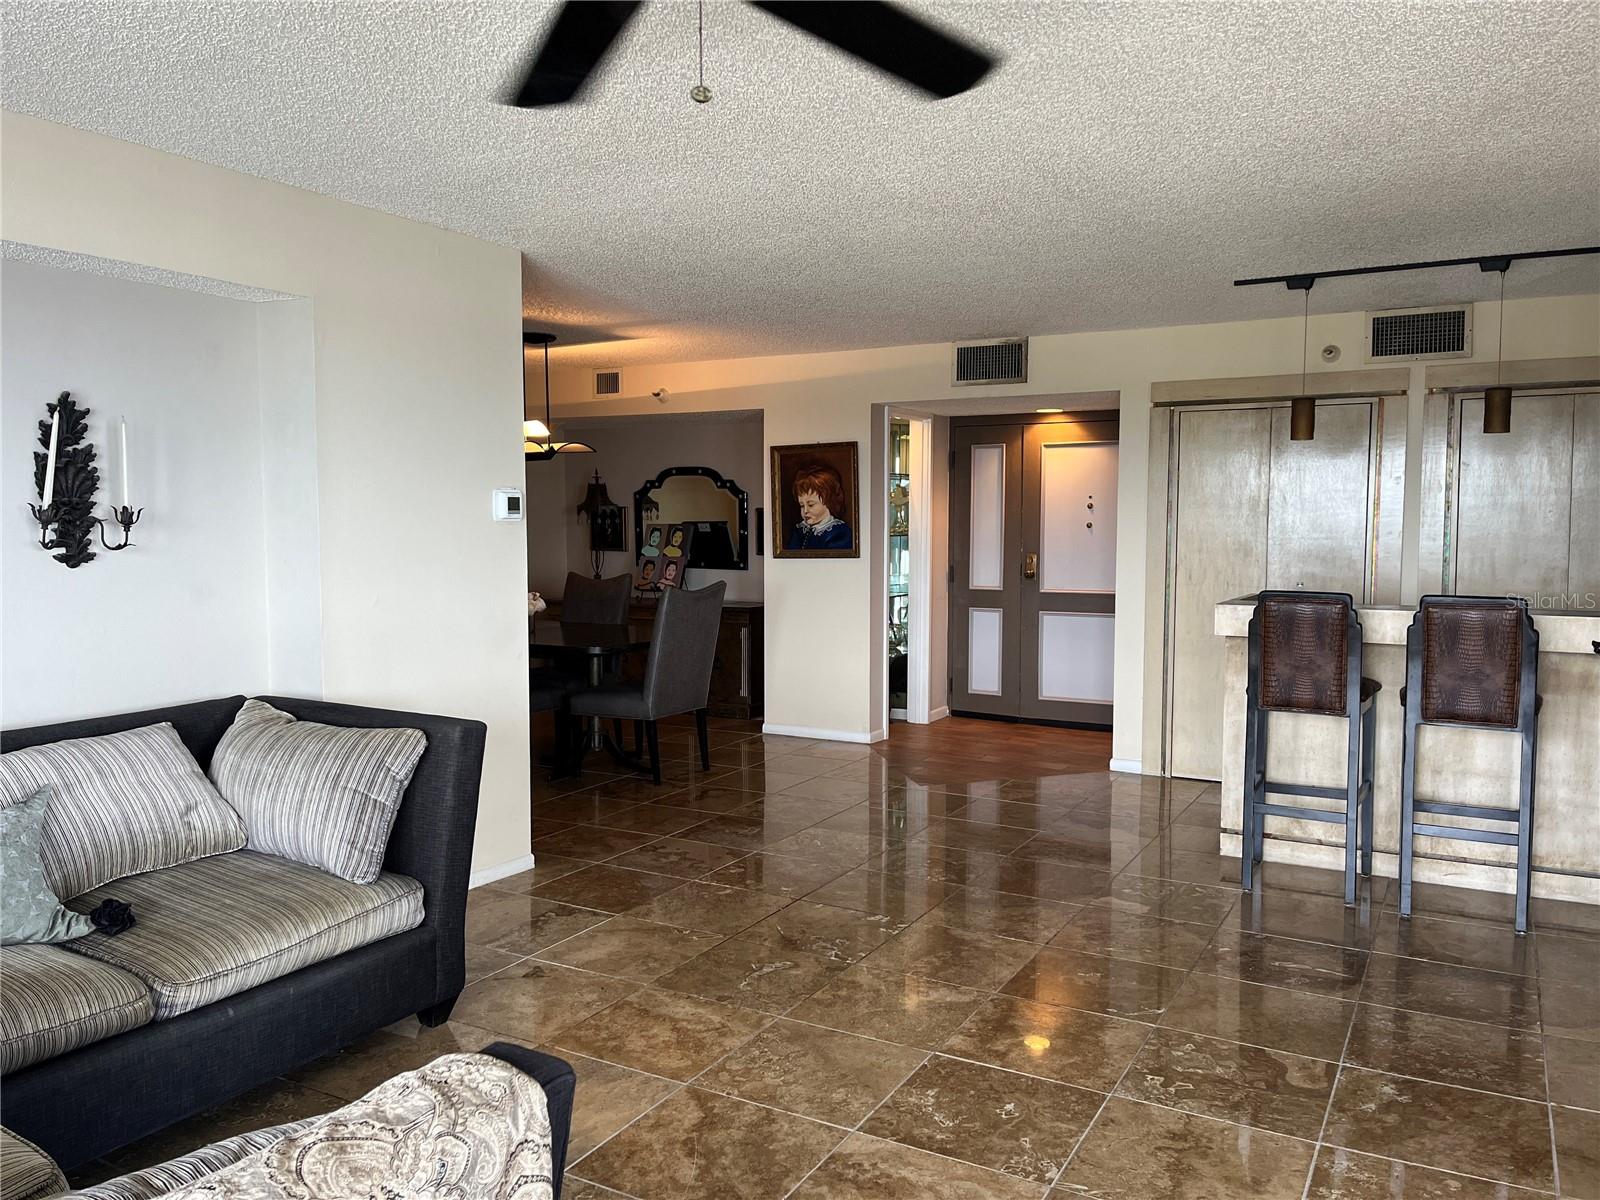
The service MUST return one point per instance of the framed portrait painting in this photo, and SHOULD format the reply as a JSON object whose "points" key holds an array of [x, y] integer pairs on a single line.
{"points": [[816, 501]]}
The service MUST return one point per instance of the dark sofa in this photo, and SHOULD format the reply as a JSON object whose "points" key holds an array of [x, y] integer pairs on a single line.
{"points": [[92, 1100]]}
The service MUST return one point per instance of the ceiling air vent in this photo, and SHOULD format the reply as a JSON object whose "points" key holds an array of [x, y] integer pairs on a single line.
{"points": [[998, 360], [608, 383], [1405, 334]]}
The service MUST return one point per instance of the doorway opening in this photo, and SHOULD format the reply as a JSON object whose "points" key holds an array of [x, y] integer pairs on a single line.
{"points": [[1033, 532]]}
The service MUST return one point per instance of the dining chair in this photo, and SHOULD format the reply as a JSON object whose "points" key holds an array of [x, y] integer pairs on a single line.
{"points": [[588, 601], [547, 692], [585, 601], [677, 675]]}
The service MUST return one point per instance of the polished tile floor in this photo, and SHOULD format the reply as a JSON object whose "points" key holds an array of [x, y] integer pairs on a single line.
{"points": [[971, 964]]}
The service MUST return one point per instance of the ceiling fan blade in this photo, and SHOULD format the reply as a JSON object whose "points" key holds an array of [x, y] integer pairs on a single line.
{"points": [[889, 38], [573, 49]]}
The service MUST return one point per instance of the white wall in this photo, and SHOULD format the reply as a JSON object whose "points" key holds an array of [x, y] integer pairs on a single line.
{"points": [[632, 450], [825, 682], [182, 615], [416, 362]]}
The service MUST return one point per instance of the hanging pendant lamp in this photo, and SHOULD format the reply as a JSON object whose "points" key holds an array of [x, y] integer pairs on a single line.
{"points": [[1497, 399], [539, 442], [1303, 408]]}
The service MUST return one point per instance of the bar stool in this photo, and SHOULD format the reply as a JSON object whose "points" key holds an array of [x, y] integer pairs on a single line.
{"points": [[1305, 657], [1471, 661]]}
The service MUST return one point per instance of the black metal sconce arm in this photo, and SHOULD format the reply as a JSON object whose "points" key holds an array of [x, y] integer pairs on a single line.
{"points": [[125, 517]]}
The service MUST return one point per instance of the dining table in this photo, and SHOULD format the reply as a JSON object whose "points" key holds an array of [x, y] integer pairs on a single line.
{"points": [[593, 646]]}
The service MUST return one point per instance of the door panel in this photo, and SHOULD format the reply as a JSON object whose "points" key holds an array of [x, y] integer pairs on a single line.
{"points": [[1075, 657], [1318, 506], [1221, 552], [1078, 517], [1070, 521], [986, 654], [985, 561], [986, 525]]}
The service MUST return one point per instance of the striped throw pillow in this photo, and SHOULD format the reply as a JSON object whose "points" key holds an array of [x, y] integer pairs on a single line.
{"points": [[323, 795], [125, 803]]}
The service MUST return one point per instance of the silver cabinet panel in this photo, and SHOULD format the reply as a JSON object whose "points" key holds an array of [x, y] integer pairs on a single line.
{"points": [[1513, 511], [1318, 523], [1220, 551], [1252, 510]]}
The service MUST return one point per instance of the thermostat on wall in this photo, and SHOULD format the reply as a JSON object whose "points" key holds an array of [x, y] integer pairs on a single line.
{"points": [[508, 504]]}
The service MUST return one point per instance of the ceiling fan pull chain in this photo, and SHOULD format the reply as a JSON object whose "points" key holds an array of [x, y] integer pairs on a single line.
{"points": [[700, 93]]}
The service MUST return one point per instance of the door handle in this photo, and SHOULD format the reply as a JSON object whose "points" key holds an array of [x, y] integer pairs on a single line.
{"points": [[1030, 566]]}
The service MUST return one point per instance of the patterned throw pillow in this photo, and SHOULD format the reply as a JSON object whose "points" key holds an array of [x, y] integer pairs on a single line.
{"points": [[29, 910], [323, 795], [125, 803]]}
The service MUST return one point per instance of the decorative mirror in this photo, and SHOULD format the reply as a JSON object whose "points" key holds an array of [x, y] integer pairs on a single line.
{"points": [[718, 508]]}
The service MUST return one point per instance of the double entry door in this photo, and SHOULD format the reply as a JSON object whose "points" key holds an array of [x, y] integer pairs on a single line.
{"points": [[1033, 563]]}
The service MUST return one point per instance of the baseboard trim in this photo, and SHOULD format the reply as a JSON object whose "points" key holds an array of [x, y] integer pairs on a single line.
{"points": [[504, 871], [939, 714], [1132, 765], [822, 735]]}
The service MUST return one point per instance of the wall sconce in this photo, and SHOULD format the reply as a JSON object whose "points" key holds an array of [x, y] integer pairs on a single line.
{"points": [[67, 479]]}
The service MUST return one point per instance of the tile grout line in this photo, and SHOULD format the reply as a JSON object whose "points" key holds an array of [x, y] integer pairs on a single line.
{"points": [[1077, 1146], [1544, 1053], [1338, 1074]]}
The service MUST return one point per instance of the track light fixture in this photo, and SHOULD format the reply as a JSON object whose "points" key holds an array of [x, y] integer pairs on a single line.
{"points": [[1303, 408], [1497, 399]]}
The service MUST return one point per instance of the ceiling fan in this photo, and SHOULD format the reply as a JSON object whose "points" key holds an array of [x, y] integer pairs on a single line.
{"points": [[881, 35]]}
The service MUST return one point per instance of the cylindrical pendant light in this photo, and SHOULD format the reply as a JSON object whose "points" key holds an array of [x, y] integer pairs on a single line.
{"points": [[1302, 419], [1497, 399], [1302, 408], [1497, 409]]}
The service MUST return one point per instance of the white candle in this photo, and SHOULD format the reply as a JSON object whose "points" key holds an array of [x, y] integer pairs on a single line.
{"points": [[124, 462], [48, 495]]}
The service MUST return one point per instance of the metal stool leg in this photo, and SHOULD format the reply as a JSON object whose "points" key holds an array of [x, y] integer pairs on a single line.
{"points": [[1247, 812], [1369, 726], [1260, 823], [1408, 799], [1525, 827], [1352, 803]]}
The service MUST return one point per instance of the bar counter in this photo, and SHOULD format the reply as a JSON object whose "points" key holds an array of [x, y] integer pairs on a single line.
{"points": [[1465, 766]]}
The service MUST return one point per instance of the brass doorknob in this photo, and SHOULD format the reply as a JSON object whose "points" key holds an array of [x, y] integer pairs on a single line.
{"points": [[1030, 566]]}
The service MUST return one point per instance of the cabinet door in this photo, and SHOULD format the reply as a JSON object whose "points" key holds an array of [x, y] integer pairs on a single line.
{"points": [[1513, 527], [1220, 547]]}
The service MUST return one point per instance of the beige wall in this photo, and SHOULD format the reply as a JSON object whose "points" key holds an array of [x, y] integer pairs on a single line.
{"points": [[820, 623], [418, 399]]}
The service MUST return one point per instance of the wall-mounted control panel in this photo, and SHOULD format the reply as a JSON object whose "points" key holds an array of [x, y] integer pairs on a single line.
{"points": [[508, 504]]}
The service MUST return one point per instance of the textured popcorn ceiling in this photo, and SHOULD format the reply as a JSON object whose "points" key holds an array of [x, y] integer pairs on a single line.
{"points": [[1121, 167], [66, 260]]}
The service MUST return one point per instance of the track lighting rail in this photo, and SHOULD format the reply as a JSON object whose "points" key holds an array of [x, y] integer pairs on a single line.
{"points": [[1487, 262]]}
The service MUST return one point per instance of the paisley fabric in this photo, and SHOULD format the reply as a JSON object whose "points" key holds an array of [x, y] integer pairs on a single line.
{"points": [[154, 1183], [464, 1127]]}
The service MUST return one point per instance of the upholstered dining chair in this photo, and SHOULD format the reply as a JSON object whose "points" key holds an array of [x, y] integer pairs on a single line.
{"points": [[677, 676], [585, 601], [588, 601]]}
